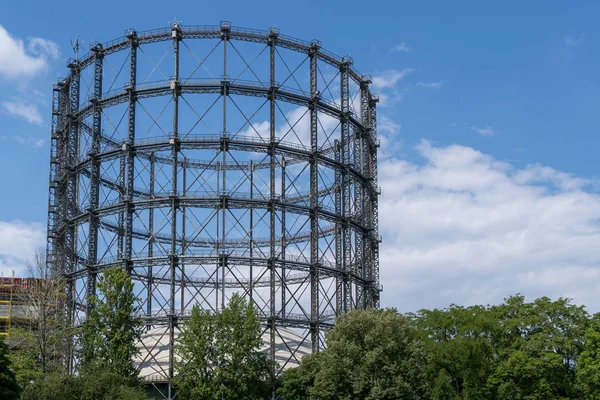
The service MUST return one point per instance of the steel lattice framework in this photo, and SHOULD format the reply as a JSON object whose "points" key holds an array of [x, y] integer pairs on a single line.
{"points": [[242, 162]]}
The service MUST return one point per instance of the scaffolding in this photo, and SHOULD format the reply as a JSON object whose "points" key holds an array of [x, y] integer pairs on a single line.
{"points": [[15, 309]]}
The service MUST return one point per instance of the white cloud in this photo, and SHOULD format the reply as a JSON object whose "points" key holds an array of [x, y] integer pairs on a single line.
{"points": [[23, 109], [18, 242], [17, 60], [485, 131], [43, 47], [29, 142], [574, 40], [536, 174], [387, 83], [401, 47], [430, 85], [389, 78], [465, 228], [387, 132], [295, 128], [387, 126]]}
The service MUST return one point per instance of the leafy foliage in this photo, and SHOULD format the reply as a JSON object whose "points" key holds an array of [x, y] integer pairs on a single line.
{"points": [[543, 350], [104, 384], [458, 341], [373, 354], [588, 365], [52, 386], [109, 334], [515, 350], [294, 383], [107, 341], [9, 388], [220, 354], [44, 338], [539, 346], [95, 384]]}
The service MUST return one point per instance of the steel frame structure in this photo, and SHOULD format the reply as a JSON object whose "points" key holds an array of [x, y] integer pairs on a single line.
{"points": [[184, 229]]}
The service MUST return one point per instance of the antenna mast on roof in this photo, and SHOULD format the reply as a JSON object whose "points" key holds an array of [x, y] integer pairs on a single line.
{"points": [[75, 44], [175, 23]]}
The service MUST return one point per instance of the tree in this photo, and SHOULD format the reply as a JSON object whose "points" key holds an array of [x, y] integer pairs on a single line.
{"points": [[96, 383], [512, 351], [442, 388], [459, 341], [43, 339], [99, 383], [371, 354], [294, 383], [219, 354], [52, 386], [9, 388], [109, 334], [540, 345], [588, 366], [542, 350]]}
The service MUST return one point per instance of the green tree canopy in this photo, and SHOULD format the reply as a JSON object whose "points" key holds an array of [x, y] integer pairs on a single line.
{"points": [[219, 354], [44, 339], [459, 342], [373, 354], [515, 350], [588, 365], [540, 350], [9, 388], [109, 334], [96, 383]]}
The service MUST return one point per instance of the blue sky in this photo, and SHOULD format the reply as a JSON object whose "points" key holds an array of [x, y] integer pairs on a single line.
{"points": [[489, 116]]}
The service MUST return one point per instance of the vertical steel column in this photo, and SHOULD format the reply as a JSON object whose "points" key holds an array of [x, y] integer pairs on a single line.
{"points": [[59, 146], [72, 154], [56, 139], [339, 262], [365, 247], [251, 234], [56, 197], [225, 31], [94, 174], [176, 34], [129, 150], [121, 231], [346, 230], [52, 181], [61, 209], [121, 187], [150, 286], [357, 269], [218, 232], [314, 201], [183, 238], [374, 201], [283, 241], [71, 184], [272, 197]]}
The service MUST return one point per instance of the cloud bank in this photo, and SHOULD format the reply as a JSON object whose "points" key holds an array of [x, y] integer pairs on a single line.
{"points": [[18, 242], [465, 228], [18, 60], [23, 109]]}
